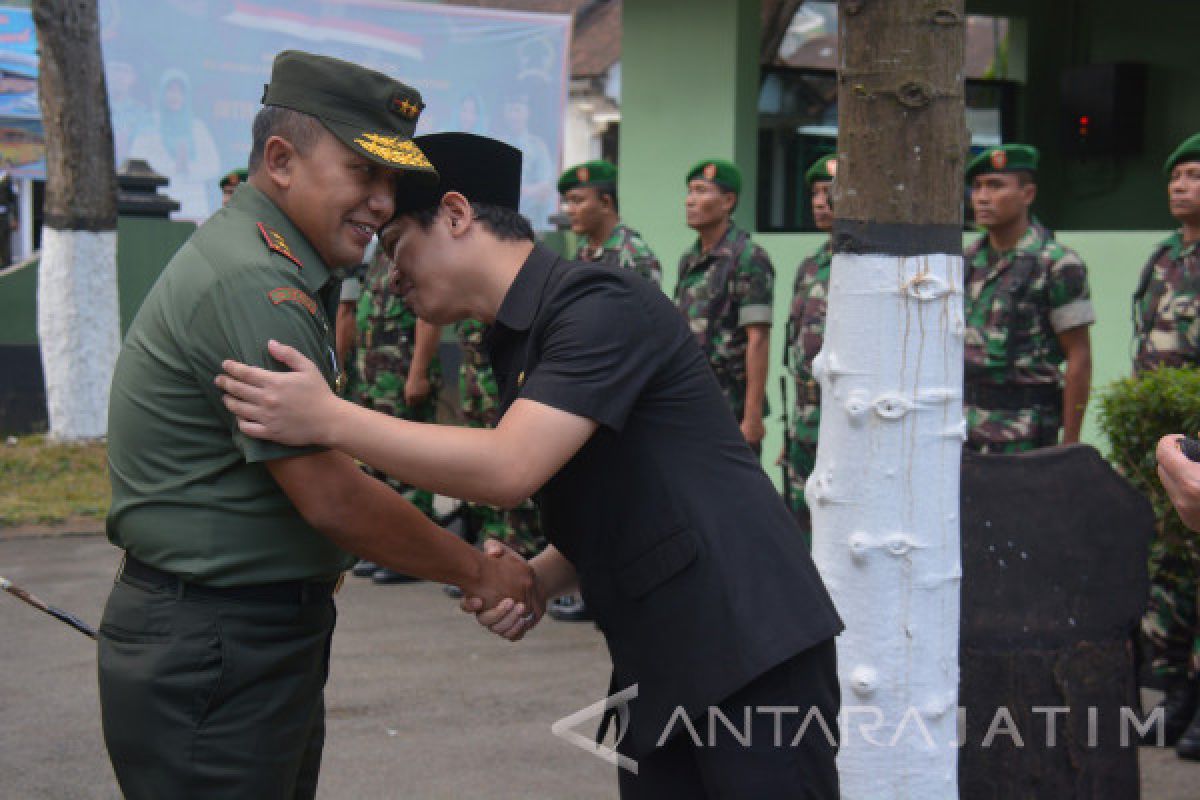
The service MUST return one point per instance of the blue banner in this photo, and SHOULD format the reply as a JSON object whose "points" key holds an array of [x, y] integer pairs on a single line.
{"points": [[185, 78], [22, 143]]}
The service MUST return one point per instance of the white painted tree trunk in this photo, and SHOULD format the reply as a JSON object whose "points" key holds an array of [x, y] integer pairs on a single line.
{"points": [[884, 499], [78, 329]]}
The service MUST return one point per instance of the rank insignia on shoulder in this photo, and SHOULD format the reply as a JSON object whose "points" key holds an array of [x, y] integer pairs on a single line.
{"points": [[276, 243], [290, 294]]}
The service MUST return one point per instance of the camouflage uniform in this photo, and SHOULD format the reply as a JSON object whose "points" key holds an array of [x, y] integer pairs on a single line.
{"points": [[805, 334], [720, 292], [624, 248], [1016, 305], [381, 360], [518, 528], [1166, 320]]}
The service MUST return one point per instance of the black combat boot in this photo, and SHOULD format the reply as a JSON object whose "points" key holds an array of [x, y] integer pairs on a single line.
{"points": [[1188, 745], [1179, 708]]}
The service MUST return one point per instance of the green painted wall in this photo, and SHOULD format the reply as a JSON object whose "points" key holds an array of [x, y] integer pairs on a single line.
{"points": [[689, 91], [144, 246]]}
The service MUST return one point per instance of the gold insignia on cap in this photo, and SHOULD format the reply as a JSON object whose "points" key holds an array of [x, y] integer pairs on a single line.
{"points": [[831, 167], [393, 149], [710, 172], [582, 175], [406, 107], [999, 159]]}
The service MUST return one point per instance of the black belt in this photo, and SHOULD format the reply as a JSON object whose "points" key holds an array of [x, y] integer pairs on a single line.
{"points": [[1011, 397], [139, 573]]}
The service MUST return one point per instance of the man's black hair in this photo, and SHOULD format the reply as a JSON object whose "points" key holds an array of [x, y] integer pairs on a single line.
{"points": [[301, 129], [505, 224]]}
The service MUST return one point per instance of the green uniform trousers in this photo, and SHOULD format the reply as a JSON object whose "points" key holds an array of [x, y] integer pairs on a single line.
{"points": [[204, 698]]}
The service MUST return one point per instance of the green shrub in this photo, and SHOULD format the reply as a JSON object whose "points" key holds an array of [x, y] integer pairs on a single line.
{"points": [[1134, 414]]}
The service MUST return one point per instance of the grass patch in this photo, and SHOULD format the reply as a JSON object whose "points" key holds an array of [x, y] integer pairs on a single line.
{"points": [[44, 482]]}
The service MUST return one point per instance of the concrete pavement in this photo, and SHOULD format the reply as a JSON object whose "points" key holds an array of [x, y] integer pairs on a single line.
{"points": [[421, 703]]}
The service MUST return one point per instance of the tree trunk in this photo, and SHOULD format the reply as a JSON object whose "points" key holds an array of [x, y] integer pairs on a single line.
{"points": [[885, 489], [78, 313]]}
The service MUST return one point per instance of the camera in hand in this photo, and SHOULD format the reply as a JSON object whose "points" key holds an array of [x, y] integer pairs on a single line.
{"points": [[1190, 448]]}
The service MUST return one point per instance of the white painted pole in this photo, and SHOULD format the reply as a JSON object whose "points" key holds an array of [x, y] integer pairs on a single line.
{"points": [[78, 329], [884, 499]]}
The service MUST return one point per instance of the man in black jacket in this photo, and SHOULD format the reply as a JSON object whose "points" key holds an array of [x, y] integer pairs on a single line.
{"points": [[654, 504]]}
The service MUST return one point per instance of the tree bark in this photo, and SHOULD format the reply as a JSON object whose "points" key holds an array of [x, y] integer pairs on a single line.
{"points": [[78, 312], [885, 489]]}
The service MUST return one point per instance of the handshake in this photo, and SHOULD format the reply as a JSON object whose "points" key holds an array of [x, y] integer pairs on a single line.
{"points": [[510, 597]]}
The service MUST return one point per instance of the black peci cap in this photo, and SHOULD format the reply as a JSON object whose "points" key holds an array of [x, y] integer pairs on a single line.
{"points": [[481, 169]]}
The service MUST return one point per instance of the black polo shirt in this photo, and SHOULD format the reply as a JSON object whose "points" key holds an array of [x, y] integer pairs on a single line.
{"points": [[687, 556]]}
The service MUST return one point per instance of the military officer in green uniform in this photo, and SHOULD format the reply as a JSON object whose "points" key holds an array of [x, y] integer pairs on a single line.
{"points": [[725, 290], [805, 334], [229, 183], [1166, 321], [394, 370], [589, 193], [213, 648], [1028, 309]]}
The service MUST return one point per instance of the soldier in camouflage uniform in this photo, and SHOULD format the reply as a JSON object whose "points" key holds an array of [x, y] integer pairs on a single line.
{"points": [[1166, 320], [518, 528], [805, 334], [725, 289], [394, 369], [1028, 309], [589, 193]]}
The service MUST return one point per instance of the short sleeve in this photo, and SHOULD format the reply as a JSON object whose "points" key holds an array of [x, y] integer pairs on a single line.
{"points": [[351, 290], [599, 350], [754, 288], [236, 318], [1068, 293]]}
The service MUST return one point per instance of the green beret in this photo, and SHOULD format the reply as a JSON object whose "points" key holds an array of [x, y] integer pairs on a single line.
{"points": [[823, 169], [600, 174], [1188, 151], [1005, 158], [235, 178], [366, 110], [723, 173]]}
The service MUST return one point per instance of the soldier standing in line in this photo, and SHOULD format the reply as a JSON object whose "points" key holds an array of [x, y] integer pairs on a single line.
{"points": [[1166, 321], [229, 183], [1028, 308], [589, 192], [395, 370], [725, 290], [519, 527], [805, 334]]}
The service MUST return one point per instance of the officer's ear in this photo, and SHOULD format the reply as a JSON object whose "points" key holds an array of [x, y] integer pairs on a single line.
{"points": [[278, 162], [457, 211]]}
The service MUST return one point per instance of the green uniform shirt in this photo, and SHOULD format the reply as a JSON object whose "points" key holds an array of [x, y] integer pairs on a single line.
{"points": [[192, 494], [624, 249]]}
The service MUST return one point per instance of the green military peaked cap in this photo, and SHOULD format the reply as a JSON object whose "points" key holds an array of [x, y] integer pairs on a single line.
{"points": [[723, 173], [1004, 158], [601, 174], [366, 110], [1188, 151], [823, 169], [234, 178]]}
